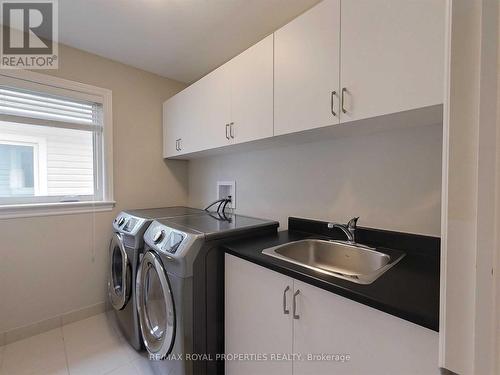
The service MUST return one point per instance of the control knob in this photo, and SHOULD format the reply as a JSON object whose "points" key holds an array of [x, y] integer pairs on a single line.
{"points": [[158, 237], [121, 220]]}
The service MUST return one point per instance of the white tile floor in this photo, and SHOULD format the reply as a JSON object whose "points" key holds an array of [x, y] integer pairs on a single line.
{"points": [[89, 347]]}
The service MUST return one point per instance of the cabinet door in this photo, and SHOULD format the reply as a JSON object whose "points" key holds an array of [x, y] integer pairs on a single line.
{"points": [[254, 317], [376, 342], [252, 92], [392, 56], [176, 120], [210, 103], [306, 70]]}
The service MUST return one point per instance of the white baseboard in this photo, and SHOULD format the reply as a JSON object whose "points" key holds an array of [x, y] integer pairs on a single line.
{"points": [[21, 333]]}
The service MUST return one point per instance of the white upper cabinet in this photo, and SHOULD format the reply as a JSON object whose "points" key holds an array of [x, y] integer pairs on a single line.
{"points": [[392, 56], [306, 70], [174, 119], [341, 61], [178, 122], [195, 118], [210, 102], [232, 104], [252, 93]]}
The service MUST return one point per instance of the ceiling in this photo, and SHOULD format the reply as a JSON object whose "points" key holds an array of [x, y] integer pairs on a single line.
{"points": [[178, 39]]}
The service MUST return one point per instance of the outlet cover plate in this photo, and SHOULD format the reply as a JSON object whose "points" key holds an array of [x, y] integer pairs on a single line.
{"points": [[225, 188]]}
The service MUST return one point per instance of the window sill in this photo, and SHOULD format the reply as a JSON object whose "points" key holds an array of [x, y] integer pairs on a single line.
{"points": [[48, 209]]}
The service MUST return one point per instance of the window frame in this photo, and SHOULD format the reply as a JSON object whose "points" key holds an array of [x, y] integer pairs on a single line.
{"points": [[103, 145]]}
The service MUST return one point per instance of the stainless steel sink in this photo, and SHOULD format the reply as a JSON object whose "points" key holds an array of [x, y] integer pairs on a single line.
{"points": [[345, 260]]}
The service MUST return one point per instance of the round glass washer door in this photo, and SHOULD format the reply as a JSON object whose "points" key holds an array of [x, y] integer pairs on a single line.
{"points": [[155, 306], [119, 278]]}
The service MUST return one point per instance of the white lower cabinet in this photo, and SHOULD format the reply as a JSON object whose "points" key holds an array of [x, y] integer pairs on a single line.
{"points": [[254, 319], [377, 343], [325, 324]]}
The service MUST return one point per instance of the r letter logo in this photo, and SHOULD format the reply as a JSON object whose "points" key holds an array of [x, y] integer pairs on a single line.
{"points": [[29, 34]]}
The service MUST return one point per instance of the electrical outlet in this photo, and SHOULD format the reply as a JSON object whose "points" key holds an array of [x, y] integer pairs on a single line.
{"points": [[225, 189]]}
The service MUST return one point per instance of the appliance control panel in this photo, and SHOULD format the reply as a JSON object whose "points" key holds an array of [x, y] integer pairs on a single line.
{"points": [[130, 224], [173, 242], [127, 223], [163, 238]]}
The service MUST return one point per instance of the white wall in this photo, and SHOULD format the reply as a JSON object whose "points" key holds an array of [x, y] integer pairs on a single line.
{"points": [[391, 179], [56, 264], [498, 206], [467, 311]]}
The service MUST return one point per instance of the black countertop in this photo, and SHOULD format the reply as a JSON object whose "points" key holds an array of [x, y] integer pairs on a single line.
{"points": [[408, 290]]}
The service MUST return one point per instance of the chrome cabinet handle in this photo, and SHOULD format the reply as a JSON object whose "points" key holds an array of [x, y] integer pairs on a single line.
{"points": [[227, 136], [332, 107], [180, 144], [177, 145], [231, 132], [295, 315], [285, 310], [344, 90]]}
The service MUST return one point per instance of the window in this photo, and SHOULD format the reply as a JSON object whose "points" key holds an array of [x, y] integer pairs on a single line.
{"points": [[17, 174], [54, 142]]}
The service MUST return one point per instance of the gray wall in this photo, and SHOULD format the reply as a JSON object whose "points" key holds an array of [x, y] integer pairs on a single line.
{"points": [[391, 179]]}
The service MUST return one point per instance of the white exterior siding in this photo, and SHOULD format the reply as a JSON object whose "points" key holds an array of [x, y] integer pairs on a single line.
{"points": [[4, 173], [70, 164], [65, 157]]}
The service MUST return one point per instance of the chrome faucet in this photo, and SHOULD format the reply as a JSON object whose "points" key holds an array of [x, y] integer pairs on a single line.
{"points": [[349, 229]]}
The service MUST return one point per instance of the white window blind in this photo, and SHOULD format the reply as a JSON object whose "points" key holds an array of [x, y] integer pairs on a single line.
{"points": [[28, 105], [51, 145]]}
